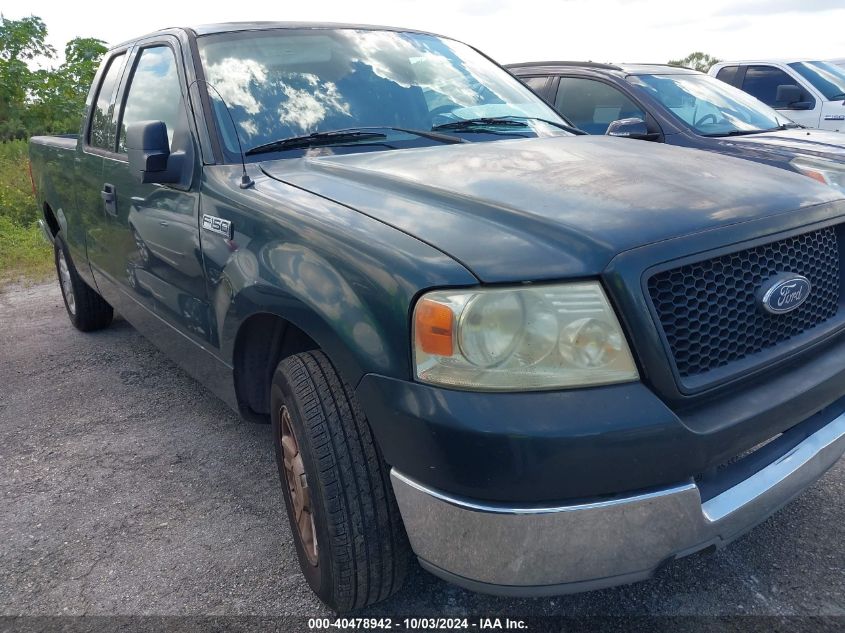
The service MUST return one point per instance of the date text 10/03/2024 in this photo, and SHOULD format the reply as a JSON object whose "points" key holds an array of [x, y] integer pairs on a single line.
{"points": [[413, 624]]}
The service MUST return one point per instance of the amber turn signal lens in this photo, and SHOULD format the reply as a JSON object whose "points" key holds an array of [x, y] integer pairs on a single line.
{"points": [[434, 327]]}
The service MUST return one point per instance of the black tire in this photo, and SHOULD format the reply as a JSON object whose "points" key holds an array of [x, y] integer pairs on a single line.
{"points": [[362, 551], [87, 310]]}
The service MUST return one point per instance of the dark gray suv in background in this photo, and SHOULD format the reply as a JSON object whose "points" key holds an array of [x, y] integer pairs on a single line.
{"points": [[684, 107]]}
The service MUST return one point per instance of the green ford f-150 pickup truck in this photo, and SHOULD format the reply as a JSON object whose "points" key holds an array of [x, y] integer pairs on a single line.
{"points": [[539, 361]]}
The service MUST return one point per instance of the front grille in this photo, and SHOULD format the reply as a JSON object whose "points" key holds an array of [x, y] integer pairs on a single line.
{"points": [[709, 311]]}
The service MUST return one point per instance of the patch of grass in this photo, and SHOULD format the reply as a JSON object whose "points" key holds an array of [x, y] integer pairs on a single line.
{"points": [[24, 255]]}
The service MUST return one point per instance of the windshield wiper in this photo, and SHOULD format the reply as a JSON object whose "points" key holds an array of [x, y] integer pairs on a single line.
{"points": [[336, 137], [563, 126], [742, 132], [443, 138], [510, 120], [481, 122], [315, 139]]}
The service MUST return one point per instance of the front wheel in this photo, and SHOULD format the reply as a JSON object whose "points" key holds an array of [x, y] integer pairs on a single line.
{"points": [[86, 309], [349, 537]]}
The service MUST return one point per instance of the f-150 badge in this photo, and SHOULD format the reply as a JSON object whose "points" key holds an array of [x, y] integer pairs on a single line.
{"points": [[217, 225]]}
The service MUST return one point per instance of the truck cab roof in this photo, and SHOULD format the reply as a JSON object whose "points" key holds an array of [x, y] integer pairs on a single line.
{"points": [[232, 27]]}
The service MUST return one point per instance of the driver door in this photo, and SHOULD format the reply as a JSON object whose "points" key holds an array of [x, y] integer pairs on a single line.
{"points": [[156, 263]]}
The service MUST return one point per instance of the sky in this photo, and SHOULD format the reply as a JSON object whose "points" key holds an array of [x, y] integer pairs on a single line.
{"points": [[507, 30]]}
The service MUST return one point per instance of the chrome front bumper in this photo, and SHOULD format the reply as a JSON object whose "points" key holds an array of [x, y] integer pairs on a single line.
{"points": [[554, 550]]}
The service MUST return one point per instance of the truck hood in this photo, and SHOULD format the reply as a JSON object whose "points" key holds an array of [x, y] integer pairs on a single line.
{"points": [[550, 208], [790, 143]]}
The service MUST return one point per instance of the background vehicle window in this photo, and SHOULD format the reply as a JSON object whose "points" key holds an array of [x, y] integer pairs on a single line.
{"points": [[709, 106], [826, 77], [592, 105], [154, 93], [728, 74], [101, 133], [763, 81], [537, 84]]}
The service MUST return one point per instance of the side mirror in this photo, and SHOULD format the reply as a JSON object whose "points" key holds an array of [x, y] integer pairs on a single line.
{"points": [[793, 97], [631, 128], [148, 148]]}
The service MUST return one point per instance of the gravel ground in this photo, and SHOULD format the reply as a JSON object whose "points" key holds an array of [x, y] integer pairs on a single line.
{"points": [[127, 488]]}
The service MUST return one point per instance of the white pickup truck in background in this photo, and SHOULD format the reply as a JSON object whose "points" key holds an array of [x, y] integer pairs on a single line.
{"points": [[811, 93]]}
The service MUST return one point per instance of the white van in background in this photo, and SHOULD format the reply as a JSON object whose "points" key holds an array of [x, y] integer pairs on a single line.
{"points": [[811, 93]]}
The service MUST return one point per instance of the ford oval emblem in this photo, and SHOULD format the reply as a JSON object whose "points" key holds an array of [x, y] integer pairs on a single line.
{"points": [[784, 293]]}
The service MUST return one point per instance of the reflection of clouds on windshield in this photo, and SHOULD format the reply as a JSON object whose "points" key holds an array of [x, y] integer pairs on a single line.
{"points": [[232, 78], [435, 72], [289, 82], [410, 63], [235, 79], [305, 108]]}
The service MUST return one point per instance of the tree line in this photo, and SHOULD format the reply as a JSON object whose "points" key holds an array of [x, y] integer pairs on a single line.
{"points": [[697, 61], [42, 100]]}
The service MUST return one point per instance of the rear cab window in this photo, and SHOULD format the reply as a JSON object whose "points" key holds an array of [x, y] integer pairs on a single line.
{"points": [[101, 131], [728, 74], [538, 84]]}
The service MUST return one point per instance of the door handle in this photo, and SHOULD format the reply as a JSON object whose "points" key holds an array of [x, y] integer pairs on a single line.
{"points": [[109, 196]]}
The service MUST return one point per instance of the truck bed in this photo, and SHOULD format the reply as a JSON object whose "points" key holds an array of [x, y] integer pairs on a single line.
{"points": [[63, 141]]}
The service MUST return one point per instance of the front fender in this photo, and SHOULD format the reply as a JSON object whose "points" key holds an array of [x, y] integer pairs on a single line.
{"points": [[349, 348], [345, 279]]}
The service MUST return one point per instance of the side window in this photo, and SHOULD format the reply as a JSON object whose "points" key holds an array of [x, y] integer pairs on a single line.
{"points": [[537, 84], [101, 131], [592, 105], [154, 93], [728, 74], [763, 81]]}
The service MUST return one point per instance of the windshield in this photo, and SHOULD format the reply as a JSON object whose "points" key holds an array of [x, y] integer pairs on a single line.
{"points": [[827, 78], [286, 83], [710, 106]]}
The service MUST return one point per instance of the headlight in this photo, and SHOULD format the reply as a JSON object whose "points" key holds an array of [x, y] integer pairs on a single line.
{"points": [[827, 172], [520, 339]]}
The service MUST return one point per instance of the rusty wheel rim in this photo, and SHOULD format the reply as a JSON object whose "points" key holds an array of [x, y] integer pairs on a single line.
{"points": [[297, 483]]}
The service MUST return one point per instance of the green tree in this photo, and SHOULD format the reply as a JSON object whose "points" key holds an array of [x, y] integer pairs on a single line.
{"points": [[58, 96], [42, 101], [21, 41], [24, 39], [697, 61]]}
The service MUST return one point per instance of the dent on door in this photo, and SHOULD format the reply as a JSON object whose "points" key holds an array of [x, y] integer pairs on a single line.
{"points": [[165, 265]]}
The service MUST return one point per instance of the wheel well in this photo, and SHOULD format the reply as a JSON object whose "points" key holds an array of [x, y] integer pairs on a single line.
{"points": [[50, 219], [263, 341]]}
